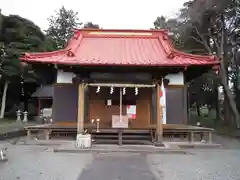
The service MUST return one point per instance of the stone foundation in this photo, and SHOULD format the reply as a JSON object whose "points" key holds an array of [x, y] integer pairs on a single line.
{"points": [[83, 141]]}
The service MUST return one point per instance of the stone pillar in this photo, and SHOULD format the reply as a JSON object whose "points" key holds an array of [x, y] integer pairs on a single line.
{"points": [[18, 113], [25, 117], [3, 155]]}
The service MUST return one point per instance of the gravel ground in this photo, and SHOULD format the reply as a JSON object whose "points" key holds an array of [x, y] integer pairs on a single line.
{"points": [[13, 126], [41, 163], [227, 142], [201, 165]]}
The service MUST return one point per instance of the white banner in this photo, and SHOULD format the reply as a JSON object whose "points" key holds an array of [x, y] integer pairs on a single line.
{"points": [[131, 111], [163, 103]]}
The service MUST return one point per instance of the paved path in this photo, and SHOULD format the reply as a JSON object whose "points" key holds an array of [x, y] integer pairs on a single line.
{"points": [[118, 166]]}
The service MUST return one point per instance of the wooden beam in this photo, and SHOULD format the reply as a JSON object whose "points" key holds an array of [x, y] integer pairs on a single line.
{"points": [[80, 124], [159, 134], [121, 85]]}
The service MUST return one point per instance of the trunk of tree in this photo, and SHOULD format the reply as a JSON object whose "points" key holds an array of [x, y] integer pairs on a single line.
{"points": [[237, 99], [198, 110], [4, 96], [217, 107], [228, 115], [209, 109], [229, 98]]}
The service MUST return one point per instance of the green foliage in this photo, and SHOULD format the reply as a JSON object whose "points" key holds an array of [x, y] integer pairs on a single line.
{"points": [[17, 36], [173, 25], [210, 27], [161, 23], [91, 25], [61, 26]]}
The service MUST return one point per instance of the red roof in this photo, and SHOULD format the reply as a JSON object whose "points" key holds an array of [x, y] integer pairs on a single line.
{"points": [[90, 47]]}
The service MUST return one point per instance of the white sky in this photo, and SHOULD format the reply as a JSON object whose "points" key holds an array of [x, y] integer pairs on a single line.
{"points": [[114, 14]]}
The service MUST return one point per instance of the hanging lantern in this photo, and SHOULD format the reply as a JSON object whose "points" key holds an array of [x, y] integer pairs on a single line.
{"points": [[136, 91], [124, 91], [98, 89], [111, 90]]}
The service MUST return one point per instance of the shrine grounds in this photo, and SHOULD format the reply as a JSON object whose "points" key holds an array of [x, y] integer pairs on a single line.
{"points": [[41, 163]]}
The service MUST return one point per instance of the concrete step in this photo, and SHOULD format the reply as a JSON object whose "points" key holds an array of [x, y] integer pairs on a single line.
{"points": [[124, 141], [126, 131], [124, 136]]}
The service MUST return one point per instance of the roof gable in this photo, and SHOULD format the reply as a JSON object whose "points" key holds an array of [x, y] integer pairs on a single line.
{"points": [[45, 91]]}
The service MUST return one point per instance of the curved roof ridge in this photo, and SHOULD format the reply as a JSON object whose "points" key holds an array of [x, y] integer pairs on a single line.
{"points": [[45, 54], [194, 56], [172, 51], [121, 30]]}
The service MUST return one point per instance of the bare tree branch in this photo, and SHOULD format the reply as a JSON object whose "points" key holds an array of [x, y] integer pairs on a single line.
{"points": [[216, 43], [192, 37], [204, 41], [231, 23]]}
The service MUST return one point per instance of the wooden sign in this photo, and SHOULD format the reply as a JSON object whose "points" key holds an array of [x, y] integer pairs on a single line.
{"points": [[109, 102], [47, 112], [117, 123]]}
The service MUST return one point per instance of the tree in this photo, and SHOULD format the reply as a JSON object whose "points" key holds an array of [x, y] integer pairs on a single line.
{"points": [[61, 26], [217, 18], [211, 27], [161, 23], [211, 24], [91, 25], [173, 25], [17, 36]]}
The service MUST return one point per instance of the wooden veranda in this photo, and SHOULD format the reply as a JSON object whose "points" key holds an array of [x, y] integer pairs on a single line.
{"points": [[169, 130]]}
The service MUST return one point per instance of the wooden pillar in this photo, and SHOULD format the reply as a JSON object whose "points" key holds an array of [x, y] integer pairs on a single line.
{"points": [[159, 133], [154, 108], [80, 123]]}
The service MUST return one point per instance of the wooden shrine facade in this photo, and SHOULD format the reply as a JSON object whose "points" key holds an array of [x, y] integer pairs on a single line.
{"points": [[66, 95], [120, 59]]}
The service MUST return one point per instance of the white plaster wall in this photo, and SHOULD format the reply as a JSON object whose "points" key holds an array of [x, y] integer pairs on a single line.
{"points": [[175, 79], [64, 77]]}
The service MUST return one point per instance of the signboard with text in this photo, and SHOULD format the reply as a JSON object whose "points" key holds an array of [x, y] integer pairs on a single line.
{"points": [[119, 123]]}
